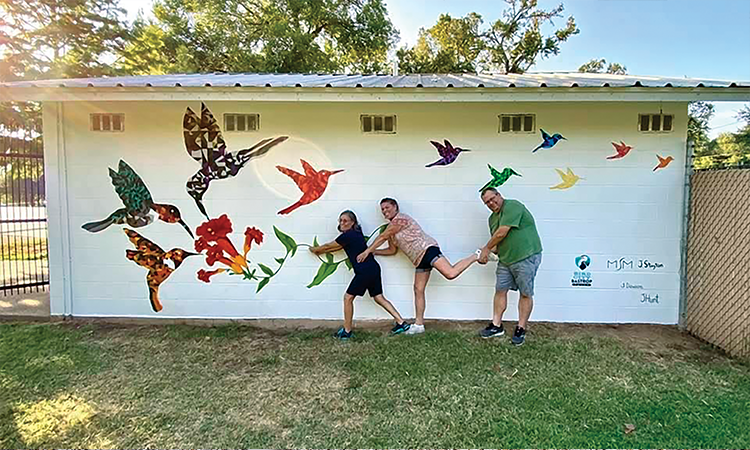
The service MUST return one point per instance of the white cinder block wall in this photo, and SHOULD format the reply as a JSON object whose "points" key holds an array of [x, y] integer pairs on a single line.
{"points": [[621, 209]]}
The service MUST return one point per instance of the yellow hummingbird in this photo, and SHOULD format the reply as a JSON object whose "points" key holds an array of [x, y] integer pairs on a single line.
{"points": [[568, 179]]}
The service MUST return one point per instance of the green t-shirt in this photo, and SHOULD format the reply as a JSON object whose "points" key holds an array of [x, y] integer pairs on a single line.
{"points": [[522, 240]]}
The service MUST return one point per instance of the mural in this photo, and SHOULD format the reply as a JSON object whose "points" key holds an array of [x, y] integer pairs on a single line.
{"points": [[548, 141], [569, 179], [312, 184], [205, 144], [214, 241], [152, 257], [137, 202], [448, 153], [499, 178], [663, 162], [622, 150]]}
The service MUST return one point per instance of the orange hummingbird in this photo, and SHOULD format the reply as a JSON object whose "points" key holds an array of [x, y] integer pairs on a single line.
{"points": [[663, 162], [152, 257], [312, 184], [622, 150]]}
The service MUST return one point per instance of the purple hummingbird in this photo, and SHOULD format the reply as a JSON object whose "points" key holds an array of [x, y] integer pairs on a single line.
{"points": [[448, 153]]}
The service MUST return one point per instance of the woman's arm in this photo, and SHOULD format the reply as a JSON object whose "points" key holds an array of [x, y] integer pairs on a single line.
{"points": [[330, 247], [388, 251], [384, 236]]}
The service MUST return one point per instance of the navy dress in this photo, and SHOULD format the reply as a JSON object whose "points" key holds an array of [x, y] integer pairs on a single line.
{"points": [[367, 273]]}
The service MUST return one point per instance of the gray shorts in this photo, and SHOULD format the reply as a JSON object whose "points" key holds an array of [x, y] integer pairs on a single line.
{"points": [[518, 276]]}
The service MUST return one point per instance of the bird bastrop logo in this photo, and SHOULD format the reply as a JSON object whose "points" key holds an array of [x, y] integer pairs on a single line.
{"points": [[581, 277]]}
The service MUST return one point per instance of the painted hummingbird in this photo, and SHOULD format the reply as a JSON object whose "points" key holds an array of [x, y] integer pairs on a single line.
{"points": [[205, 144], [663, 162], [499, 178], [622, 150], [152, 257], [548, 141], [569, 179], [137, 203], [312, 184], [448, 153]]}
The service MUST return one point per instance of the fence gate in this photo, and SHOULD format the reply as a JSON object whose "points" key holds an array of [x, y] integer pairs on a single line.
{"points": [[23, 211]]}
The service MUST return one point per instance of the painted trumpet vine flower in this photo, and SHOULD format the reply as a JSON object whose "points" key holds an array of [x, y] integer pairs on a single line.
{"points": [[213, 241]]}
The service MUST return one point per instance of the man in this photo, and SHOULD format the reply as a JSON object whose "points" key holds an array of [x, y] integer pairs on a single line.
{"points": [[519, 252]]}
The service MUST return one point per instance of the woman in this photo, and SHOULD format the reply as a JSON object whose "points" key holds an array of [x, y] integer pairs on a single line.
{"points": [[405, 233], [366, 274]]}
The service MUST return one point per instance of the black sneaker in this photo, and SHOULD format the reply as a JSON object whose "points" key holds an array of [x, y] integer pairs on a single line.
{"points": [[519, 336], [400, 328], [343, 335], [492, 330]]}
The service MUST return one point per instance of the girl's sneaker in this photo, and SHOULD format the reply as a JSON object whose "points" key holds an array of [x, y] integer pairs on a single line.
{"points": [[343, 335], [400, 328]]}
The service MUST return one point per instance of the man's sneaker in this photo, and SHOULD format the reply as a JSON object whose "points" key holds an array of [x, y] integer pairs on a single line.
{"points": [[492, 330], [415, 329], [491, 256], [343, 335], [400, 328], [519, 336]]}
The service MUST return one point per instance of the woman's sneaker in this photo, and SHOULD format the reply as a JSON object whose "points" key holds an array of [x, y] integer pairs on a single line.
{"points": [[343, 335], [415, 329], [519, 336], [492, 330], [400, 328]]}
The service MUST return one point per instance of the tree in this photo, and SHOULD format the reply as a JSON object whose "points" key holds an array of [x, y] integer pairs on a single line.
{"points": [[699, 115], [261, 35], [451, 45], [728, 149], [598, 65], [58, 38], [511, 44]]}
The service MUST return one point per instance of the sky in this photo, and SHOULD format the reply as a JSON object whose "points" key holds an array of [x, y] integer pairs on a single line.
{"points": [[676, 38]]}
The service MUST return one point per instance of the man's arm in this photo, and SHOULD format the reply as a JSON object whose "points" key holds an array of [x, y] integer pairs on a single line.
{"points": [[495, 239]]}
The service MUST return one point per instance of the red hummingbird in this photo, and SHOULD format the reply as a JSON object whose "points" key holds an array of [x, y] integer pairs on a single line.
{"points": [[622, 150], [312, 184]]}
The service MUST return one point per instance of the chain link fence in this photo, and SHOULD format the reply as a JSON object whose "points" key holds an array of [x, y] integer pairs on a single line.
{"points": [[718, 259]]}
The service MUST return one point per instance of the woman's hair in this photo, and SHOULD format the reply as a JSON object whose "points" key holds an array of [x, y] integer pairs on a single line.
{"points": [[353, 217], [392, 201]]}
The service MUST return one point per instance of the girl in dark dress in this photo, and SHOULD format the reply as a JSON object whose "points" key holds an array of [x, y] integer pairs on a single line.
{"points": [[366, 274]]}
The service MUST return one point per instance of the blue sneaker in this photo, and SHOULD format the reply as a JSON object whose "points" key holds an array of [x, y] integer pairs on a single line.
{"points": [[343, 335], [400, 328], [519, 336]]}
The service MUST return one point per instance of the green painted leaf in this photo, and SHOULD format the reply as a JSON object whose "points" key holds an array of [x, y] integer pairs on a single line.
{"points": [[329, 257], [262, 284], [325, 271], [267, 270], [380, 230], [289, 243], [279, 260], [348, 264], [315, 241]]}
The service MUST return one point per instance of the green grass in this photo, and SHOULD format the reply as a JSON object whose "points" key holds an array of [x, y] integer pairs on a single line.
{"points": [[65, 385], [16, 248]]}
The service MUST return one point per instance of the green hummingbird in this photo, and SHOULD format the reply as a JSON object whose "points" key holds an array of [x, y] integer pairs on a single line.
{"points": [[137, 202], [499, 178]]}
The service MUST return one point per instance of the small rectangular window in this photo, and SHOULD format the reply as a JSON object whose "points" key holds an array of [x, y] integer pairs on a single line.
{"points": [[107, 122], [655, 122], [516, 123], [372, 124], [241, 122]]}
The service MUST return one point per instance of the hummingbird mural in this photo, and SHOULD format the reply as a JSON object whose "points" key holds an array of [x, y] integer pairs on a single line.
{"points": [[448, 153], [152, 257], [663, 162], [569, 179], [312, 184], [548, 141], [499, 178], [621, 149], [137, 203], [205, 144]]}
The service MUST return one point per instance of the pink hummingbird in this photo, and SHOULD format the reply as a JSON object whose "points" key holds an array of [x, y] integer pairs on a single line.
{"points": [[622, 150]]}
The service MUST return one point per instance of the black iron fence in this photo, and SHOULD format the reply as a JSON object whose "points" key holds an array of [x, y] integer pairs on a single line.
{"points": [[23, 212]]}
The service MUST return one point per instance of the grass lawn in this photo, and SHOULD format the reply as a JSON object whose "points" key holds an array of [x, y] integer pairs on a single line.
{"points": [[97, 385]]}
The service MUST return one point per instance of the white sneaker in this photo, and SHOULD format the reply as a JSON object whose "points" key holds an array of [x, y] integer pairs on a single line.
{"points": [[491, 257], [415, 329]]}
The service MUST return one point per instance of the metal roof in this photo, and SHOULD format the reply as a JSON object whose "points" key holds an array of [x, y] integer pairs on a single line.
{"points": [[465, 80]]}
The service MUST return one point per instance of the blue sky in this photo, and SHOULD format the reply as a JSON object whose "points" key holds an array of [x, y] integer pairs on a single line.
{"points": [[697, 39]]}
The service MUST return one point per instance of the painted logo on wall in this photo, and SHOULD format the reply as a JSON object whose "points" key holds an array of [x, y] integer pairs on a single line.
{"points": [[582, 278], [623, 263]]}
